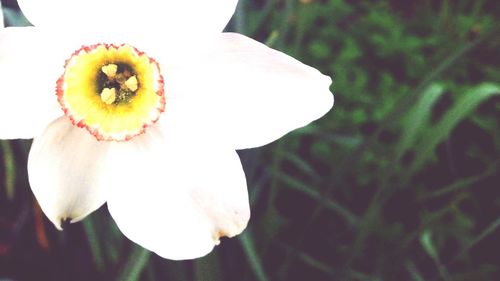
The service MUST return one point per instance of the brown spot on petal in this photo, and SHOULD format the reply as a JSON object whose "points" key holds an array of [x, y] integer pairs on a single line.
{"points": [[221, 234]]}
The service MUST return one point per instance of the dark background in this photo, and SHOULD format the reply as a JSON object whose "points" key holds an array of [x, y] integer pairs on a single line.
{"points": [[400, 181]]}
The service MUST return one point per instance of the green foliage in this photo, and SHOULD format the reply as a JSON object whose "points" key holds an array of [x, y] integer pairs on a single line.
{"points": [[135, 264], [398, 182], [418, 118], [462, 108]]}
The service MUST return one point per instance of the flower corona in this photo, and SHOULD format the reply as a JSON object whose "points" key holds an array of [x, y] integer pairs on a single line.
{"points": [[115, 92]]}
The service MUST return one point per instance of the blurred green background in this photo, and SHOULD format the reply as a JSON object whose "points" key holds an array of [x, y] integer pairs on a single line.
{"points": [[400, 181]]}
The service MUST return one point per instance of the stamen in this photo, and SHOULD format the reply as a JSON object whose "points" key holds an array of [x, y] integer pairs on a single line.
{"points": [[131, 83], [108, 95], [110, 70]]}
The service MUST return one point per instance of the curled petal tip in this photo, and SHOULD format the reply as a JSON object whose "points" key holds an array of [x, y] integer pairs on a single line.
{"points": [[64, 222], [60, 222], [231, 228]]}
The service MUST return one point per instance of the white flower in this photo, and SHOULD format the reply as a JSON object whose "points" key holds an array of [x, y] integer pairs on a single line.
{"points": [[152, 134]]}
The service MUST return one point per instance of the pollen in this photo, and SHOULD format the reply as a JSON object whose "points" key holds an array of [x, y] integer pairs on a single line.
{"points": [[108, 96], [131, 84], [110, 70], [114, 91]]}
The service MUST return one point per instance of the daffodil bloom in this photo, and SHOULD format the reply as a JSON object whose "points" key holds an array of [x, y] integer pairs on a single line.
{"points": [[142, 104]]}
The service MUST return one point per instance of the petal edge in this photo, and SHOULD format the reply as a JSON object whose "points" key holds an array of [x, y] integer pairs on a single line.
{"points": [[64, 171]]}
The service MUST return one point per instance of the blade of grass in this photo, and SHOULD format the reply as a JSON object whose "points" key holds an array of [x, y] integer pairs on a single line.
{"points": [[264, 14], [10, 168], [93, 239], [2, 22], [326, 202], [310, 261], [137, 261], [208, 268], [174, 270], [240, 18], [489, 230], [273, 37], [299, 34], [429, 247], [418, 117], [113, 237], [253, 258], [285, 26], [300, 163], [462, 108], [41, 233], [14, 18], [271, 220], [428, 244], [150, 272], [462, 183], [412, 269]]}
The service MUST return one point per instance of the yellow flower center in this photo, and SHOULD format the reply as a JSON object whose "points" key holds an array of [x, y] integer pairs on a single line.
{"points": [[115, 92]]}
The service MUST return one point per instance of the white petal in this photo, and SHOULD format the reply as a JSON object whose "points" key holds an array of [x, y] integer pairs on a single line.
{"points": [[65, 165], [174, 197], [150, 16], [29, 69], [255, 93]]}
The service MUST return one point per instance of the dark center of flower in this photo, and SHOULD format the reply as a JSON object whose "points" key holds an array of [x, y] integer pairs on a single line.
{"points": [[117, 83]]}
